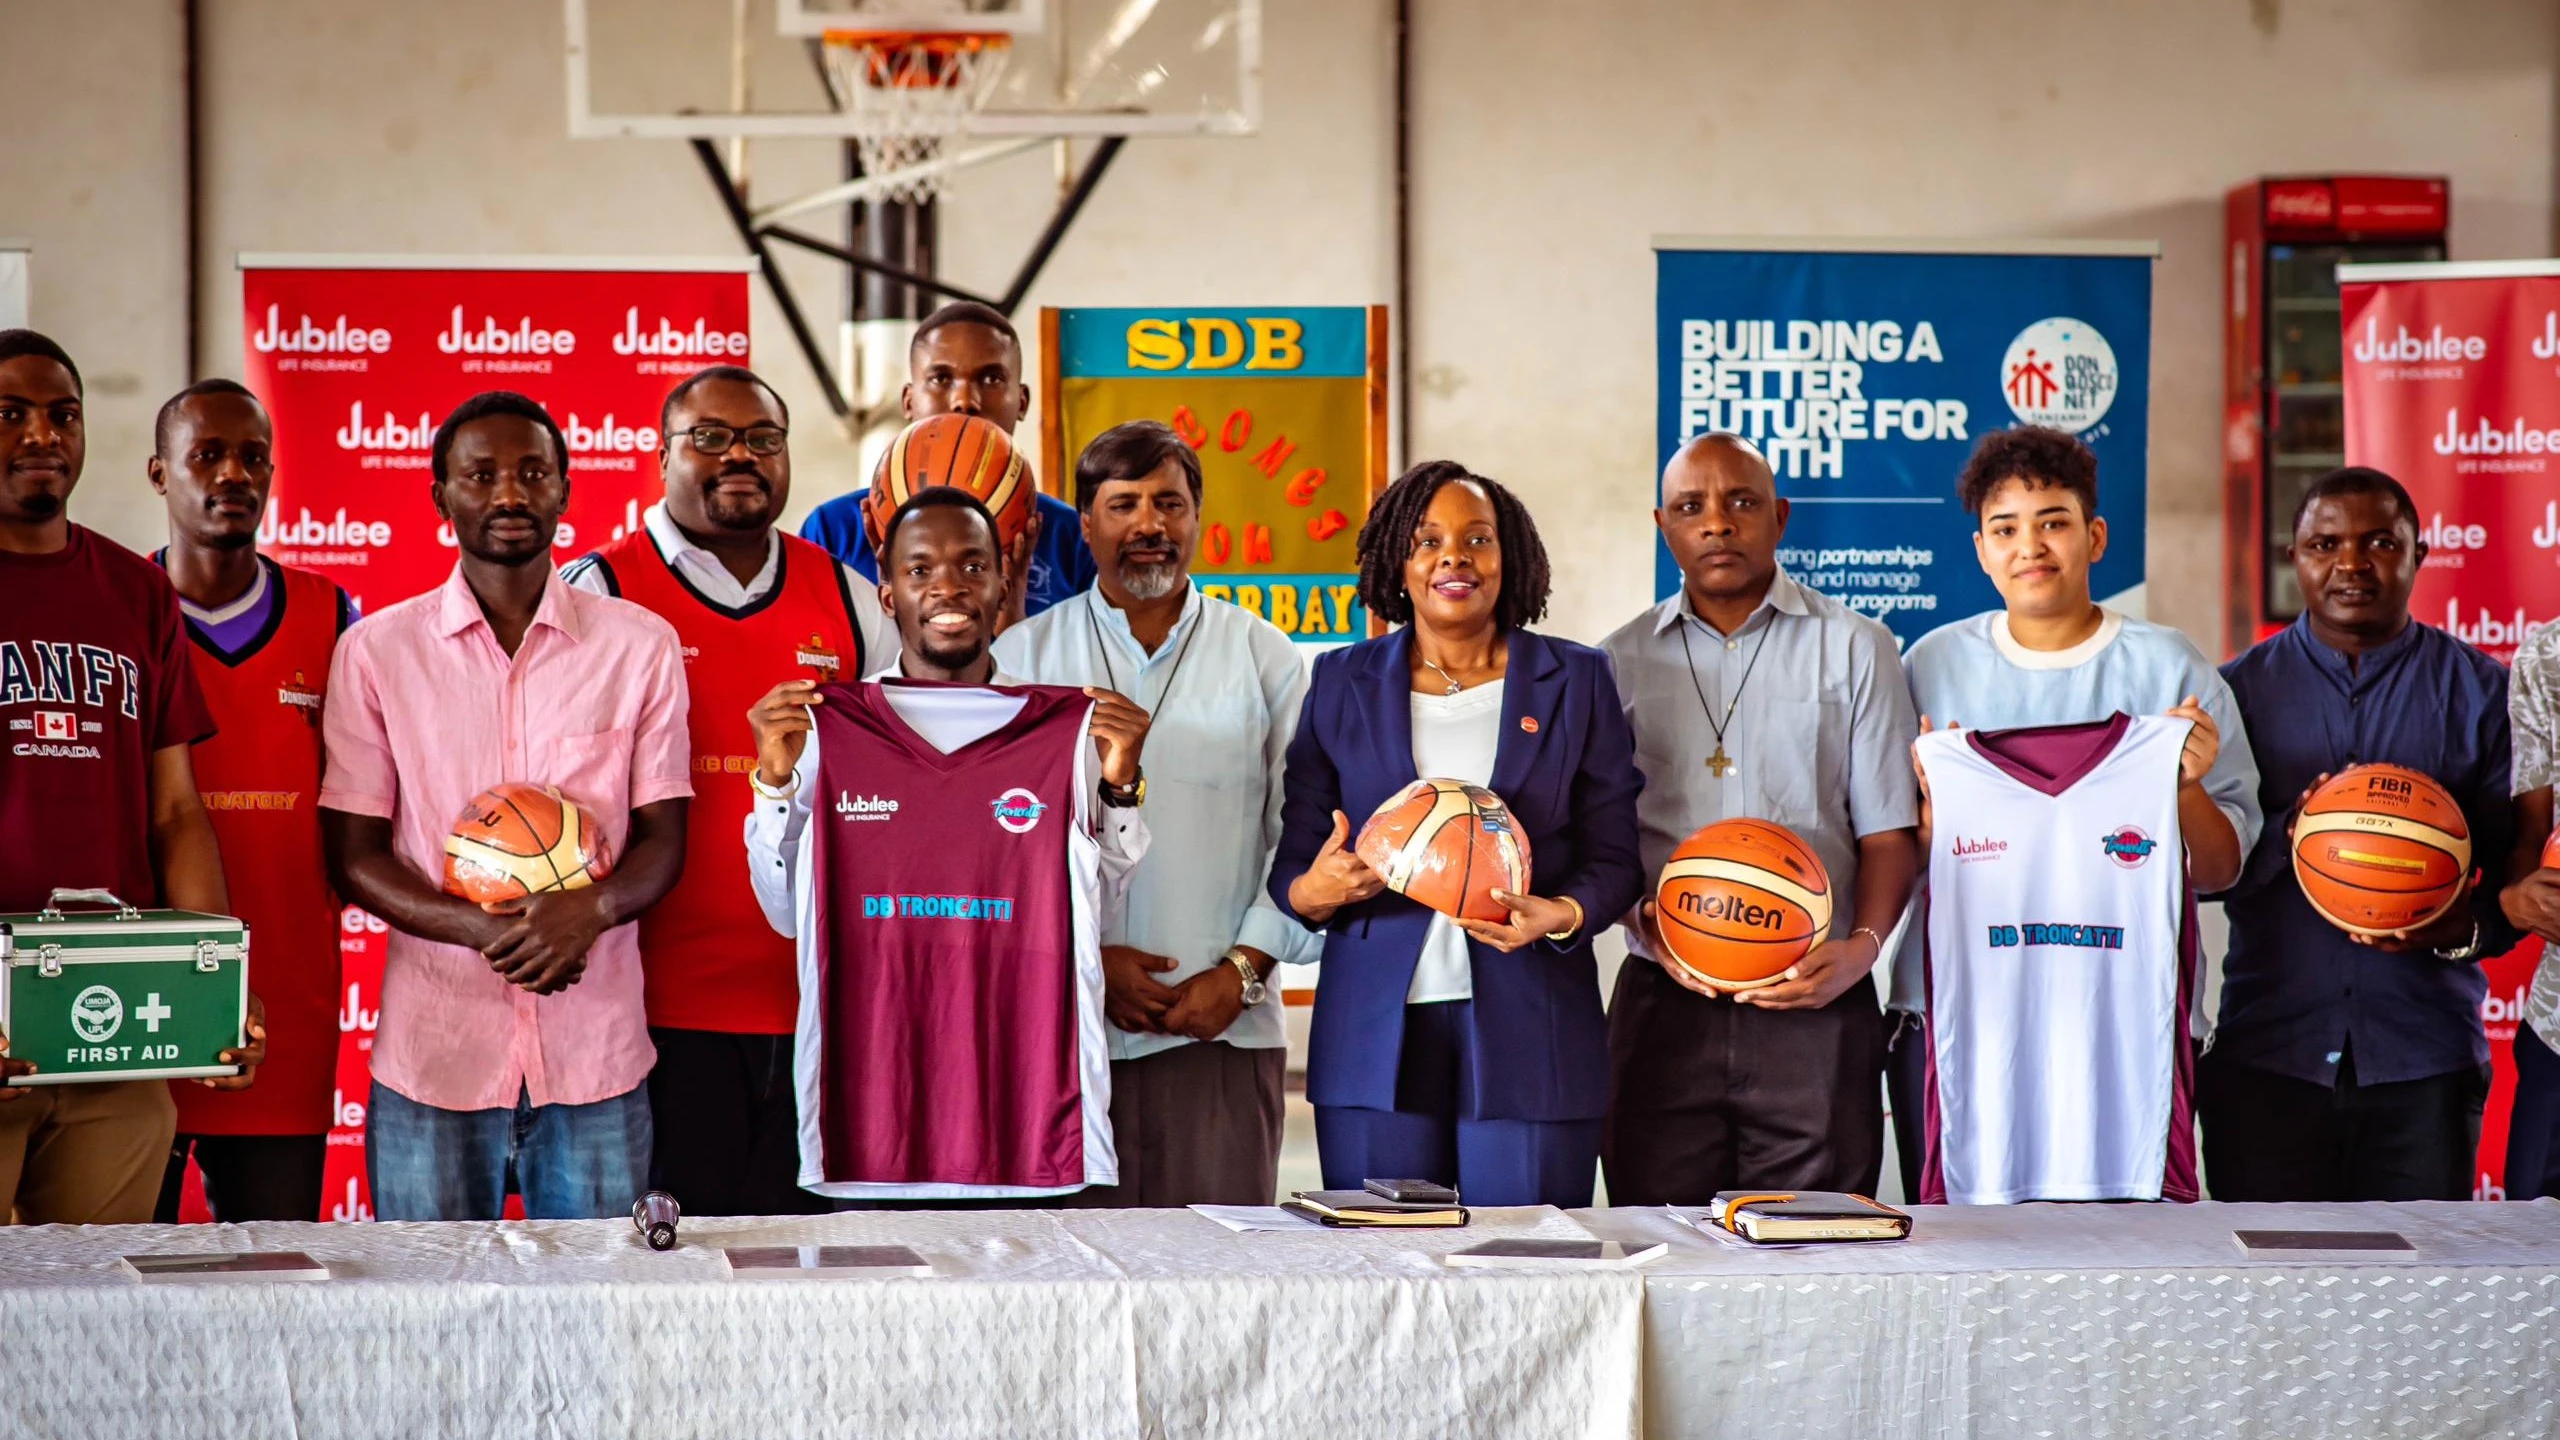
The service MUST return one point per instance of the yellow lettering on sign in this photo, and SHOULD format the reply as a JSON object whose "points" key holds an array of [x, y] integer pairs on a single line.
{"points": [[1250, 597], [1154, 345], [1342, 597], [1314, 612], [1284, 608], [1206, 351], [1275, 344], [1218, 592]]}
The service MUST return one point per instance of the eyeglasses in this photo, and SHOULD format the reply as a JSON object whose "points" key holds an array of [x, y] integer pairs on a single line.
{"points": [[716, 439]]}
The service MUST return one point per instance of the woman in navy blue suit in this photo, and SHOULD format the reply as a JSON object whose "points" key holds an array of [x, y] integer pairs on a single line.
{"points": [[1468, 1052]]}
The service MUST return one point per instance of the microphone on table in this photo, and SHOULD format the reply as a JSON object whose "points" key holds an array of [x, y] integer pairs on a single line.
{"points": [[654, 1215]]}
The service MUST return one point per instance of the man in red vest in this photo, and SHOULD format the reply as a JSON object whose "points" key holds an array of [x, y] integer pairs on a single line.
{"points": [[753, 607], [262, 634]]}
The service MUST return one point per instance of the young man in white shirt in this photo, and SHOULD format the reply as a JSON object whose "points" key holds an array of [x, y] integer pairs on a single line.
{"points": [[2053, 656]]}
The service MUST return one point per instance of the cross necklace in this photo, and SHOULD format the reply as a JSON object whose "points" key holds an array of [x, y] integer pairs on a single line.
{"points": [[1720, 764]]}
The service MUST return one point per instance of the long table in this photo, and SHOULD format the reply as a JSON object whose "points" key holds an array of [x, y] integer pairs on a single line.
{"points": [[2084, 1321], [1038, 1323], [2071, 1321]]}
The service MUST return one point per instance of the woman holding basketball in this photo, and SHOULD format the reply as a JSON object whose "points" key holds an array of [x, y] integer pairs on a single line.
{"points": [[1466, 1051]]}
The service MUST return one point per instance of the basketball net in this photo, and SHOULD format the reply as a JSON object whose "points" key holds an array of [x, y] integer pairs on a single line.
{"points": [[909, 92]]}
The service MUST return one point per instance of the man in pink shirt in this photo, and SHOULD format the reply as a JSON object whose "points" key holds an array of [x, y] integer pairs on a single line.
{"points": [[512, 1036]]}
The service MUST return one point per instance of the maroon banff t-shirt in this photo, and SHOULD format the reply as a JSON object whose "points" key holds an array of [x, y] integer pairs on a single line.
{"points": [[94, 677]]}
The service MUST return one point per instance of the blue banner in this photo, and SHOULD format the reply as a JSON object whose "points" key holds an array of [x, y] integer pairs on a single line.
{"points": [[1866, 377]]}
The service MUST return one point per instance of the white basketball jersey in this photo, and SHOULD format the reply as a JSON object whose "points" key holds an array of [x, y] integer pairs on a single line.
{"points": [[2060, 965]]}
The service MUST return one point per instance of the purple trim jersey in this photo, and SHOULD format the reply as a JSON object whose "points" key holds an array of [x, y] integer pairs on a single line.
{"points": [[2061, 966], [952, 1041]]}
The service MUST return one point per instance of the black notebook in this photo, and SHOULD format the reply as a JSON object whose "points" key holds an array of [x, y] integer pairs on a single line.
{"points": [[1797, 1216]]}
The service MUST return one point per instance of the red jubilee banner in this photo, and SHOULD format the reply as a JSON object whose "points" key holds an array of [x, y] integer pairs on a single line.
{"points": [[357, 360], [2452, 379]]}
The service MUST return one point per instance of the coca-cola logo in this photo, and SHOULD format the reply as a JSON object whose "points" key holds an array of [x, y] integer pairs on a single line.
{"points": [[2302, 204], [665, 339], [308, 532], [491, 338], [387, 432], [306, 337], [2404, 347]]}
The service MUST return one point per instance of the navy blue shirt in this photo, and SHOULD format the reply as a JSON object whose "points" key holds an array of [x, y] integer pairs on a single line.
{"points": [[1061, 566], [2296, 992]]}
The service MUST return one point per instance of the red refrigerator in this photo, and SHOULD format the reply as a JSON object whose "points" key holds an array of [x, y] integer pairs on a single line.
{"points": [[2283, 413]]}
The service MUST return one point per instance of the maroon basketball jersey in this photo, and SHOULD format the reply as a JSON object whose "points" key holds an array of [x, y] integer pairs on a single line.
{"points": [[958, 1046]]}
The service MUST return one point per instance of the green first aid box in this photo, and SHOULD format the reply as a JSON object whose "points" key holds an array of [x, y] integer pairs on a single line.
{"points": [[122, 994]]}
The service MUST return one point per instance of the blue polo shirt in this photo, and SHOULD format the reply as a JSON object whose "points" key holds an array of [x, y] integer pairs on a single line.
{"points": [[2296, 992], [1061, 566]]}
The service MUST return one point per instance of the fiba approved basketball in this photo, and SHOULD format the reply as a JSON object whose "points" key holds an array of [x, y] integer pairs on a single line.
{"points": [[2380, 848], [515, 839], [1448, 845], [962, 451], [1740, 901]]}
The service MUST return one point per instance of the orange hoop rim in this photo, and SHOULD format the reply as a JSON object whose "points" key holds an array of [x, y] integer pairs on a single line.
{"points": [[941, 49]]}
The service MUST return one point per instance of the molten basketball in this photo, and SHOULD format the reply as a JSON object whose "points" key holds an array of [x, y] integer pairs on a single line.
{"points": [[961, 451], [1740, 901], [514, 840], [2551, 851], [1448, 845], [2380, 848]]}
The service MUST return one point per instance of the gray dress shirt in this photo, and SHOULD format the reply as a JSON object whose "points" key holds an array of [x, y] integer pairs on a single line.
{"points": [[1820, 736]]}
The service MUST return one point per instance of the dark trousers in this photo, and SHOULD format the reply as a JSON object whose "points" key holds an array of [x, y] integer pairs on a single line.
{"points": [[1431, 1134], [726, 1111], [2533, 1128], [1711, 1094], [248, 1177], [1195, 1125], [1906, 1093], [2272, 1137]]}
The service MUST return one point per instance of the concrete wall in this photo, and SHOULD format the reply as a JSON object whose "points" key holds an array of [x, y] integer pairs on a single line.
{"points": [[1534, 285], [1545, 158]]}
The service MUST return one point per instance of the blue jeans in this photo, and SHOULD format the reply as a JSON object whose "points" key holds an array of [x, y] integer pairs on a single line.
{"points": [[570, 1162]]}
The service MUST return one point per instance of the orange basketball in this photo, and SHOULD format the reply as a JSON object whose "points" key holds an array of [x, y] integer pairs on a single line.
{"points": [[1448, 845], [515, 840], [961, 451], [1740, 901], [2551, 851], [2380, 848]]}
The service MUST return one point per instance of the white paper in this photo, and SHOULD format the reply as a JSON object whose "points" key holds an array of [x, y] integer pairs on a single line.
{"points": [[1242, 1218]]}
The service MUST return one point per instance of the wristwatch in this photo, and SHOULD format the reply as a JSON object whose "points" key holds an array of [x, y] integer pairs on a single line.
{"points": [[1255, 992], [1126, 797], [2468, 949]]}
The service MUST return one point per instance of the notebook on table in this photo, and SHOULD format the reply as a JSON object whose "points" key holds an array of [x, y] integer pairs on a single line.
{"points": [[1799, 1216]]}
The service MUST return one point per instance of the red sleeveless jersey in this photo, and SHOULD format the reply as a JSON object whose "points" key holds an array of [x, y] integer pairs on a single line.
{"points": [[708, 958], [260, 778], [955, 1040]]}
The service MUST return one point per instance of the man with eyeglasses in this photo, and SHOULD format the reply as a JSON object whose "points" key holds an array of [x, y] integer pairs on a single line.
{"points": [[753, 607]]}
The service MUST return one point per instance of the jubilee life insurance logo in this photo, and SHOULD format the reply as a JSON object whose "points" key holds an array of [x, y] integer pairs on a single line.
{"points": [[2060, 372]]}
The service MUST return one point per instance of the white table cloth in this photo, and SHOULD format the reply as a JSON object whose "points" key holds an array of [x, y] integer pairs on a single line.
{"points": [[1064, 1323], [2092, 1321]]}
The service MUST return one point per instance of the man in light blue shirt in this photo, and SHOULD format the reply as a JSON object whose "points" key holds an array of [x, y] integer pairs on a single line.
{"points": [[2053, 656], [1199, 1052]]}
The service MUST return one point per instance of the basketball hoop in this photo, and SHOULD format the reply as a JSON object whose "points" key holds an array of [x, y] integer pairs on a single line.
{"points": [[908, 91]]}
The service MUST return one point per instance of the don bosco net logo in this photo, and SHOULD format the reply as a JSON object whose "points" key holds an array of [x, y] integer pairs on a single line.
{"points": [[2060, 372]]}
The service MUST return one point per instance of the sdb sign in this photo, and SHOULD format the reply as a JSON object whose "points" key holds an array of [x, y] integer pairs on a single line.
{"points": [[1287, 409]]}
